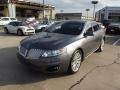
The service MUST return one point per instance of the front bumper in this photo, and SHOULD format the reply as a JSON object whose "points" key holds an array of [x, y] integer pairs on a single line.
{"points": [[29, 32], [58, 64]]}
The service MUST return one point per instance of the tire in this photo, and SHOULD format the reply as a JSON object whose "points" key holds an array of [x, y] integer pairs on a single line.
{"points": [[75, 62], [19, 33], [101, 48], [42, 29], [6, 31]]}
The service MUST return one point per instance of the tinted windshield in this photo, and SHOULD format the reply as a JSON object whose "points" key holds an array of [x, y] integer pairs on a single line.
{"points": [[12, 18], [19, 24], [5, 19], [70, 28]]}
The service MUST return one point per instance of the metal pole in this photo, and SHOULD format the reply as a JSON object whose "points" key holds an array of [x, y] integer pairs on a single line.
{"points": [[94, 12], [43, 10], [61, 14], [87, 14], [87, 10]]}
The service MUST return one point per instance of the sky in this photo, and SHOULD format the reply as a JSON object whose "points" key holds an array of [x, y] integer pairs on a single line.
{"points": [[76, 6]]}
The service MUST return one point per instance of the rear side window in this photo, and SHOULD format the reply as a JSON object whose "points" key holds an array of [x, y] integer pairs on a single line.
{"points": [[12, 18], [12, 23], [5, 19], [96, 27]]}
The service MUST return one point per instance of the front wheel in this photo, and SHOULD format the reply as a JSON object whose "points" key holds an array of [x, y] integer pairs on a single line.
{"points": [[75, 62], [6, 30], [43, 28], [19, 33]]}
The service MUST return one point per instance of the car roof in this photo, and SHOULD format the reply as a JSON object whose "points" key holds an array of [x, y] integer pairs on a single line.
{"points": [[6, 17], [83, 21], [16, 21]]}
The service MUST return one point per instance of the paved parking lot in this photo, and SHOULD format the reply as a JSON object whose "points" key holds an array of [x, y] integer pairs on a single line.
{"points": [[100, 71]]}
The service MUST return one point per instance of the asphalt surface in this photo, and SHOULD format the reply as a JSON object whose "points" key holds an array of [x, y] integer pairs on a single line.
{"points": [[100, 71]]}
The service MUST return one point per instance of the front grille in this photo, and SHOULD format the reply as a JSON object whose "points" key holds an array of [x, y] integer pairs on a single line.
{"points": [[31, 33], [23, 51], [35, 53], [29, 29]]}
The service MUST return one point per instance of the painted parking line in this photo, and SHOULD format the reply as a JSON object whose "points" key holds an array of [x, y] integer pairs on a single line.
{"points": [[116, 42]]}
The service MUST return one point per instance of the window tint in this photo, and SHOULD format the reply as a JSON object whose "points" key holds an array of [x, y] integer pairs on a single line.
{"points": [[12, 23], [90, 30], [12, 18], [70, 28], [5, 19], [18, 23], [96, 27]]}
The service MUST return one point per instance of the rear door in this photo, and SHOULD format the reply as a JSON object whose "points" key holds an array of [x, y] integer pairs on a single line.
{"points": [[12, 27], [97, 34], [89, 41]]}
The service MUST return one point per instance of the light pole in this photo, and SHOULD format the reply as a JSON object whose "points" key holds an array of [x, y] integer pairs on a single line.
{"points": [[61, 11], [43, 10], [87, 10], [94, 3]]}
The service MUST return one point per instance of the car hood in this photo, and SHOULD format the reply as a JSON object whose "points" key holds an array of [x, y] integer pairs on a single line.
{"points": [[41, 26], [47, 41], [26, 27]]}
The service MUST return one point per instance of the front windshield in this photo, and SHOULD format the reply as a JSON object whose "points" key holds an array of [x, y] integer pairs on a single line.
{"points": [[70, 28]]}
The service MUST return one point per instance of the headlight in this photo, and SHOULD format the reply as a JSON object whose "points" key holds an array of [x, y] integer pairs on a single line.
{"points": [[37, 53], [51, 53], [18, 48]]}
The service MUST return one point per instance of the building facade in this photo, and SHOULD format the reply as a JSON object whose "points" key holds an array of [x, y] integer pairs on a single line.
{"points": [[23, 9], [109, 13], [68, 16]]}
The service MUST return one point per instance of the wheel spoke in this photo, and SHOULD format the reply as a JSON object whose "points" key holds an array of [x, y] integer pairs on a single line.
{"points": [[76, 62]]}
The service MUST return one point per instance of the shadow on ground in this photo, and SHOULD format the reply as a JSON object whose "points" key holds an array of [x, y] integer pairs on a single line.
{"points": [[111, 39], [13, 72], [4, 34]]}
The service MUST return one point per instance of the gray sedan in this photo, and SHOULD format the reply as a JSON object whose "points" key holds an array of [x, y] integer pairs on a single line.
{"points": [[62, 47]]}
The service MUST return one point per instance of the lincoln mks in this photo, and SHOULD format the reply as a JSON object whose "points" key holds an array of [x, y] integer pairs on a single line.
{"points": [[62, 47]]}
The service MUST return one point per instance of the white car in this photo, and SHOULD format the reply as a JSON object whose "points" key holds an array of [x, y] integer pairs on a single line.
{"points": [[42, 26], [19, 28], [6, 20]]}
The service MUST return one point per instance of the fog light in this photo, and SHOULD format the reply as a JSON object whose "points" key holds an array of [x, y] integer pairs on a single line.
{"points": [[53, 68]]}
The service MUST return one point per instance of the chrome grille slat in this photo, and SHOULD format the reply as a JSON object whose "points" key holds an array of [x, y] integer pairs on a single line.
{"points": [[23, 51]]}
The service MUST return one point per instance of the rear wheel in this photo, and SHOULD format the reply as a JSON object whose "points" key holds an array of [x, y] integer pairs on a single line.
{"points": [[101, 48], [75, 62], [6, 30], [19, 33], [43, 28]]}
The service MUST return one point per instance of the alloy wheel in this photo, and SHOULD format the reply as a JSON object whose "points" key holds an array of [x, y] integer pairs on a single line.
{"points": [[76, 62]]}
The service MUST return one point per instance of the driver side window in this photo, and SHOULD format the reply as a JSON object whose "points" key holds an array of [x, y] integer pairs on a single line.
{"points": [[89, 32], [12, 23]]}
